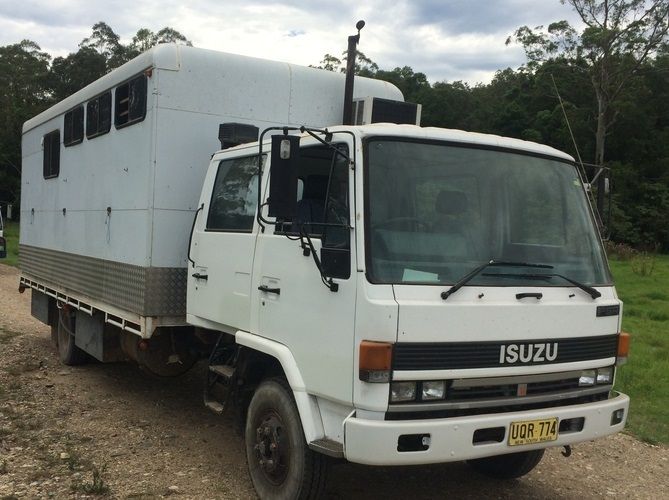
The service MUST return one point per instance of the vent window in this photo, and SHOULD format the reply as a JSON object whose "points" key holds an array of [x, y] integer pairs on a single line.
{"points": [[51, 164], [235, 195], [130, 102], [98, 115], [73, 127]]}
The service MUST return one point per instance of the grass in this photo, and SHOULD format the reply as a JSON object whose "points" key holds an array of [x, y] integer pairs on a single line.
{"points": [[646, 317], [12, 237], [97, 486]]}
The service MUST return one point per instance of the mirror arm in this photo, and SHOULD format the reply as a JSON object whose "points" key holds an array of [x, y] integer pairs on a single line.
{"points": [[328, 282], [328, 137]]}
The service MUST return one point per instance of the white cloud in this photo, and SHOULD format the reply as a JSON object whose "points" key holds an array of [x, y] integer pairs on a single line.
{"points": [[446, 40]]}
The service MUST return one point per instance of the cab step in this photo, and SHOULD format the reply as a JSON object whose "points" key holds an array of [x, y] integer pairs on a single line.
{"points": [[224, 371], [328, 447], [215, 406]]}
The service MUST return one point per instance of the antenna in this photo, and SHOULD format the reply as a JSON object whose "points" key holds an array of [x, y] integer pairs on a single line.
{"points": [[595, 210], [571, 133]]}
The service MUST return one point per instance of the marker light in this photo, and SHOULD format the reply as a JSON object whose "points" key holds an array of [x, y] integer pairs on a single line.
{"points": [[375, 359]]}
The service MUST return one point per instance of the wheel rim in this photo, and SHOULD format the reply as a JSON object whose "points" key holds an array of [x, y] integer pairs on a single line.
{"points": [[272, 447]]}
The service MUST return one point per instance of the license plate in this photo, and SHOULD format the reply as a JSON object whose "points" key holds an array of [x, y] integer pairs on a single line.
{"points": [[533, 431]]}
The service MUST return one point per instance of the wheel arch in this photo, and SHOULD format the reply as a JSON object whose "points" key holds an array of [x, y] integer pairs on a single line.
{"points": [[307, 406]]}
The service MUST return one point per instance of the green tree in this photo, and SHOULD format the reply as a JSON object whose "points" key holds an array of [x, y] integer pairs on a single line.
{"points": [[107, 43], [74, 72], [618, 38], [24, 72]]}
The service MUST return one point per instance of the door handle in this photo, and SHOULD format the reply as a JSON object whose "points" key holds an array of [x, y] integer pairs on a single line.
{"points": [[267, 289], [199, 276]]}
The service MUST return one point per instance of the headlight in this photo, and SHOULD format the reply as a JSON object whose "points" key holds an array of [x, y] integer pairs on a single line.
{"points": [[402, 391], [605, 375], [435, 389], [587, 377], [601, 376]]}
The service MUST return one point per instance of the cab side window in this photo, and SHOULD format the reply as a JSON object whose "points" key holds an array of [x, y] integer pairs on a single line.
{"points": [[235, 196]]}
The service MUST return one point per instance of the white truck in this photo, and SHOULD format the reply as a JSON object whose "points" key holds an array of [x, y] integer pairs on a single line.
{"points": [[381, 293]]}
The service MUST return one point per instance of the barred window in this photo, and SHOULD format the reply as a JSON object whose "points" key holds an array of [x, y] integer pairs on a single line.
{"points": [[73, 126], [51, 163], [98, 115], [130, 102]]}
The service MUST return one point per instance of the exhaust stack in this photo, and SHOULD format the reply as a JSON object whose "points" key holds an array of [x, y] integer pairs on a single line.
{"points": [[350, 70]]}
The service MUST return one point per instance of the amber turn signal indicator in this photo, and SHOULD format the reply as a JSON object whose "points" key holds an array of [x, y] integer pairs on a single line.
{"points": [[375, 361], [624, 339]]}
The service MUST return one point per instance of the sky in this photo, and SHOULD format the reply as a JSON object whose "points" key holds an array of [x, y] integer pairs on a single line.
{"points": [[448, 40]]}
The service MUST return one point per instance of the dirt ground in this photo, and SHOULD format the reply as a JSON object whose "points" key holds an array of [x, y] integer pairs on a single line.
{"points": [[113, 431]]}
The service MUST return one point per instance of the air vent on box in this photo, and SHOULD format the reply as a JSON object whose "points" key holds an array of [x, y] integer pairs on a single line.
{"points": [[234, 134], [377, 110]]}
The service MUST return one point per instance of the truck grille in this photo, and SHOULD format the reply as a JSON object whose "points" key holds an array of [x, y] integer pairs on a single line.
{"points": [[462, 412], [478, 396], [510, 390], [464, 355]]}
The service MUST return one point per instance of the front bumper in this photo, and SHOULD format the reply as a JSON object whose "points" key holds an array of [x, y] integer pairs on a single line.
{"points": [[375, 442]]}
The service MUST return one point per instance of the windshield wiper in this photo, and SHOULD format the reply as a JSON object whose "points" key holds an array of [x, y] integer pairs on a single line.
{"points": [[587, 289], [497, 263]]}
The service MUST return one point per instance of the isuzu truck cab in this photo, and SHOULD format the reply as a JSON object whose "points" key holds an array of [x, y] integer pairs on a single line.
{"points": [[405, 295]]}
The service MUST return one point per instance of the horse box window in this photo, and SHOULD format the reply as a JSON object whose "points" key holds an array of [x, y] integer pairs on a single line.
{"points": [[98, 115], [73, 126], [130, 102], [51, 164]]}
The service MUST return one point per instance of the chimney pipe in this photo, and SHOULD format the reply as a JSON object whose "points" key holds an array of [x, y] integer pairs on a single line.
{"points": [[350, 70]]}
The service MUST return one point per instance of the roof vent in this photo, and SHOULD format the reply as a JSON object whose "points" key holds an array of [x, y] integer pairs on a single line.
{"points": [[234, 134]]}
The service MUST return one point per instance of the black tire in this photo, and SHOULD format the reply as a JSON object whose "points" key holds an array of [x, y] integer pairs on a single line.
{"points": [[68, 352], [281, 465], [509, 466]]}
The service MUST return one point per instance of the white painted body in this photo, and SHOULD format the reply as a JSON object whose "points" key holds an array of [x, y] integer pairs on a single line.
{"points": [[153, 170], [151, 173], [315, 334]]}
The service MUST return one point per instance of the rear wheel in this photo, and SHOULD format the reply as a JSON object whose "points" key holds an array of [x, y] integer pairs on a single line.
{"points": [[68, 352], [281, 465], [509, 466]]}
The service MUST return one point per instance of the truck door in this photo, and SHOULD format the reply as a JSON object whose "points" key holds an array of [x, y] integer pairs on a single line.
{"points": [[222, 247], [294, 306]]}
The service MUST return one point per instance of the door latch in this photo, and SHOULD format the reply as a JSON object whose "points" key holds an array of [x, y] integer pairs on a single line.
{"points": [[199, 276]]}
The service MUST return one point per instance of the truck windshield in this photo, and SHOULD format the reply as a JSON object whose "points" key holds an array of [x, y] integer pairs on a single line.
{"points": [[436, 211]]}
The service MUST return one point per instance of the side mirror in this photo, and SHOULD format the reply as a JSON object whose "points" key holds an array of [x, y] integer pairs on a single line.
{"points": [[336, 262], [283, 176], [3, 248]]}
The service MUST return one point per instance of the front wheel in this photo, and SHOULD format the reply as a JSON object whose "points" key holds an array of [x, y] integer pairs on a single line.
{"points": [[509, 466], [281, 465]]}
